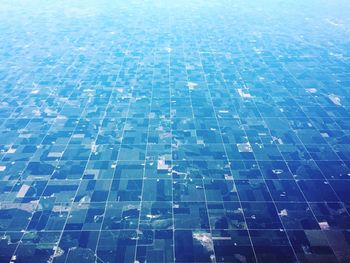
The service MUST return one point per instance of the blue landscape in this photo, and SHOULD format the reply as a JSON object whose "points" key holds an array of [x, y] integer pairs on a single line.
{"points": [[174, 131]]}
